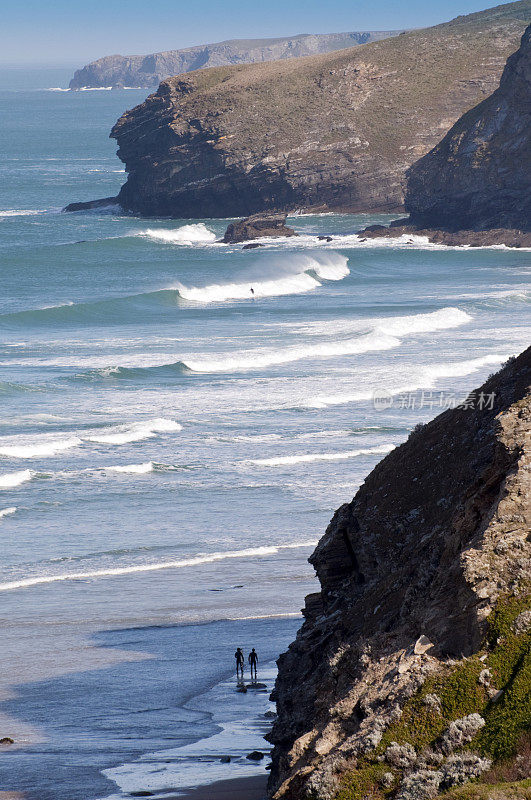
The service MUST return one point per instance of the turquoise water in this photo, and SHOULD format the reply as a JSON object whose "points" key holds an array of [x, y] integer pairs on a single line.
{"points": [[171, 446]]}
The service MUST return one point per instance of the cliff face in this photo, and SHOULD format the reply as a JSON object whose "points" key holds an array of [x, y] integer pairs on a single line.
{"points": [[334, 131], [148, 71], [433, 554], [479, 176]]}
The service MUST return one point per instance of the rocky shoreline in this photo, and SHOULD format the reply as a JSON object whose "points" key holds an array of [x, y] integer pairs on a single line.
{"points": [[457, 238]]}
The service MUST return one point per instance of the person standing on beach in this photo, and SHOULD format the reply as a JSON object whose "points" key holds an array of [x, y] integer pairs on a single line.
{"points": [[253, 661], [240, 661]]}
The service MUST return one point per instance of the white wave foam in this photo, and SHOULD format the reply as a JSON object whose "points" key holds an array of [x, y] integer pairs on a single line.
{"points": [[123, 434], [187, 234], [57, 89], [11, 479], [260, 359], [36, 450], [21, 212], [426, 379], [5, 512], [138, 469], [424, 323], [293, 277], [280, 461], [206, 558], [94, 89]]}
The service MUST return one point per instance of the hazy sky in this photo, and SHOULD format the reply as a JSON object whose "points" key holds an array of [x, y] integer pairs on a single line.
{"points": [[73, 32]]}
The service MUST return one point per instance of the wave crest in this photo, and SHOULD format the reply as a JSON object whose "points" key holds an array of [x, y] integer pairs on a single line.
{"points": [[11, 479]]}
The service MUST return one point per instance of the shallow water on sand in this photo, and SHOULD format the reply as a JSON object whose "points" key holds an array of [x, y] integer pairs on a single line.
{"points": [[171, 446]]}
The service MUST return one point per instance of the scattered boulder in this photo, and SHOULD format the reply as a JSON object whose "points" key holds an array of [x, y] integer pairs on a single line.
{"points": [[257, 226], [252, 246], [225, 759], [256, 755], [141, 794], [7, 740], [242, 688]]}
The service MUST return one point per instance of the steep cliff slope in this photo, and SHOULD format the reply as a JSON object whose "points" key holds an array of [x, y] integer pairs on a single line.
{"points": [[412, 671], [148, 71], [331, 131], [479, 176]]}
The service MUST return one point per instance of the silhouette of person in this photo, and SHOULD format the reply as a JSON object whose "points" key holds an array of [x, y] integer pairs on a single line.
{"points": [[240, 661], [253, 661], [252, 291]]}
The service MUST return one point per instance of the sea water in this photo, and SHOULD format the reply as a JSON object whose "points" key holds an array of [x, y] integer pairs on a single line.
{"points": [[173, 445]]}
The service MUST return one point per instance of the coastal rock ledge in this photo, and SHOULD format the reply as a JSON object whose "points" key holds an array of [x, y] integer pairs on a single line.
{"points": [[410, 675]]}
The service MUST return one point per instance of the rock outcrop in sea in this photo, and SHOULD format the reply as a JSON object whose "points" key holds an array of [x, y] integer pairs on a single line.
{"points": [[411, 674], [258, 226], [148, 71], [334, 131]]}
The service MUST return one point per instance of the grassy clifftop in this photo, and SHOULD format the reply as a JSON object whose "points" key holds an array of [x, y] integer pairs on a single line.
{"points": [[336, 130]]}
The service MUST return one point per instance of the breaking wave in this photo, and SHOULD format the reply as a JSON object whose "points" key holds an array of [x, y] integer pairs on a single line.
{"points": [[5, 512], [205, 558], [11, 479], [35, 450], [426, 379], [281, 461], [187, 234], [257, 360], [137, 469], [123, 434], [294, 275]]}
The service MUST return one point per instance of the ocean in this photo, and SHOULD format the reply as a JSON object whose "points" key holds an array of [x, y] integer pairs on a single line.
{"points": [[172, 446]]}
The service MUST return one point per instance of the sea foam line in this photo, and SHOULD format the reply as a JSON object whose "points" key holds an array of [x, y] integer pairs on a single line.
{"points": [[279, 461], [259, 552], [427, 379]]}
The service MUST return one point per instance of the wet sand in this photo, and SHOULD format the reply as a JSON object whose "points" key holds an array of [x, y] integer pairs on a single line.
{"points": [[236, 789]]}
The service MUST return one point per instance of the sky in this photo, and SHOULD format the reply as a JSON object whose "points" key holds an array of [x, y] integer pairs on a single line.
{"points": [[71, 32]]}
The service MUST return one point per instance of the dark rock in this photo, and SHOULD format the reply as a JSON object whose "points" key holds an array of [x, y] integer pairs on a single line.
{"points": [[324, 238], [252, 246], [256, 685], [7, 740], [242, 689], [409, 571], [257, 226], [141, 794], [239, 140], [256, 755], [479, 176], [453, 238], [103, 202], [270, 715], [225, 759]]}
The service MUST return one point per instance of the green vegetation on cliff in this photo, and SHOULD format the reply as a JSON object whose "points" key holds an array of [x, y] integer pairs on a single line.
{"points": [[494, 683]]}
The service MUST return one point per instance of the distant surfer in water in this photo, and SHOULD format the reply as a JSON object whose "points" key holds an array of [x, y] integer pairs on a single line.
{"points": [[252, 291], [240, 661], [253, 661]]}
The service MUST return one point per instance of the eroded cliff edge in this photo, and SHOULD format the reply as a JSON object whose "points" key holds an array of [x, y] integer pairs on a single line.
{"points": [[334, 131], [411, 673]]}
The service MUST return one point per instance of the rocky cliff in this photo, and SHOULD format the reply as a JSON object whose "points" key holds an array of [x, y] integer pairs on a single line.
{"points": [[411, 674], [479, 176], [148, 71], [334, 131]]}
